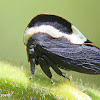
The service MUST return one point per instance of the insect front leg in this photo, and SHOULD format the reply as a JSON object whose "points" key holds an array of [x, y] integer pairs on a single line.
{"points": [[31, 59], [32, 67]]}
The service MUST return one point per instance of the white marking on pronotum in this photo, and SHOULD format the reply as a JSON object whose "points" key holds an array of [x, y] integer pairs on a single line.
{"points": [[76, 37]]}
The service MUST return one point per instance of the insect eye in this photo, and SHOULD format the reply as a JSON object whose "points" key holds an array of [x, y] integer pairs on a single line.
{"points": [[31, 51]]}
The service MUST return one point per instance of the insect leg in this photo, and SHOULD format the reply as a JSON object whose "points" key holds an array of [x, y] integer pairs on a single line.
{"points": [[32, 67], [55, 67], [31, 59], [45, 68]]}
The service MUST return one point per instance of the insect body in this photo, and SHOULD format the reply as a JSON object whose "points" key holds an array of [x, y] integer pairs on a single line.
{"points": [[52, 41]]}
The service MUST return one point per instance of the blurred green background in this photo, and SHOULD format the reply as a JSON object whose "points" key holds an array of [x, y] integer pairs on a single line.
{"points": [[16, 14]]}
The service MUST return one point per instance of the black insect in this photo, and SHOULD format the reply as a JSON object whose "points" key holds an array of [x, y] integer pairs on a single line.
{"points": [[52, 41]]}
